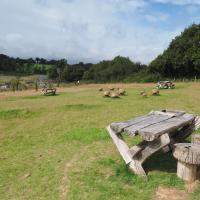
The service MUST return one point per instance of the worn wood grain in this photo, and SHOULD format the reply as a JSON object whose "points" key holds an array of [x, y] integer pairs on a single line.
{"points": [[183, 133], [118, 127], [175, 113], [152, 147], [197, 122], [137, 168], [151, 132], [121, 145], [154, 119], [187, 153], [186, 171]]}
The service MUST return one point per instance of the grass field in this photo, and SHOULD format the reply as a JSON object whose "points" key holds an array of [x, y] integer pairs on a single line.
{"points": [[58, 148]]}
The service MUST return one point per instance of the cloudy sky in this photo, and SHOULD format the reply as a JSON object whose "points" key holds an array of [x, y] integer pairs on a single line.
{"points": [[92, 30]]}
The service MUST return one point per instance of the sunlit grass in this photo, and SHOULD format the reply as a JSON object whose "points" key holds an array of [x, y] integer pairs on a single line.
{"points": [[51, 143]]}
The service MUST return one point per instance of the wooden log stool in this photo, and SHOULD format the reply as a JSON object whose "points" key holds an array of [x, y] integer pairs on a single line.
{"points": [[188, 155]]}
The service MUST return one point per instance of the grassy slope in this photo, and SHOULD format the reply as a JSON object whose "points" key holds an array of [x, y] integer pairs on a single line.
{"points": [[57, 147]]}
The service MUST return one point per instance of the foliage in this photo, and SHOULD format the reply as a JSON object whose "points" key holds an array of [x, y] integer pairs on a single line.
{"points": [[143, 76], [24, 66], [182, 58], [112, 71]]}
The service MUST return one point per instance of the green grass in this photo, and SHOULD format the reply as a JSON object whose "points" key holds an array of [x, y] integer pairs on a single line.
{"points": [[86, 135], [78, 107], [16, 113], [58, 148]]}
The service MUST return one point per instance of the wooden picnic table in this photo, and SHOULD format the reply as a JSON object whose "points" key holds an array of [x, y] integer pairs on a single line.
{"points": [[158, 130]]}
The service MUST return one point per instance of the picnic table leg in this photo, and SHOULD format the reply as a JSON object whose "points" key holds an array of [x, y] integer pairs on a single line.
{"points": [[121, 145], [145, 149], [136, 167], [124, 150], [135, 156]]}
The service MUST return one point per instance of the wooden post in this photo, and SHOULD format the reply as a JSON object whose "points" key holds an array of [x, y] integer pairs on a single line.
{"points": [[186, 171]]}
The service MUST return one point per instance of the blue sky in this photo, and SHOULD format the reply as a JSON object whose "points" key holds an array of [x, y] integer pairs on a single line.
{"points": [[92, 30]]}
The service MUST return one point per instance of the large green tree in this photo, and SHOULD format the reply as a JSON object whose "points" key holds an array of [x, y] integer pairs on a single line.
{"points": [[112, 70], [182, 58]]}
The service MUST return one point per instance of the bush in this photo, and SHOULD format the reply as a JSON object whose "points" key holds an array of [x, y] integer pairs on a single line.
{"points": [[143, 77]]}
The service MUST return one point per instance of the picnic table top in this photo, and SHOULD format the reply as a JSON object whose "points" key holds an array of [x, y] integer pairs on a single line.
{"points": [[154, 124]]}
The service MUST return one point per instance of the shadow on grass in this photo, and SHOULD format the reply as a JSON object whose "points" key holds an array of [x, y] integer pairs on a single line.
{"points": [[78, 107], [161, 162]]}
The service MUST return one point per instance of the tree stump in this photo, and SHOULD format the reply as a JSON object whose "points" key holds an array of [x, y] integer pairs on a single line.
{"points": [[121, 92], [196, 138], [114, 95], [155, 92], [188, 155], [111, 88], [106, 94]]}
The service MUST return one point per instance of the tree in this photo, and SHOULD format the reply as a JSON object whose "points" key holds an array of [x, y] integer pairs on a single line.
{"points": [[60, 67], [182, 57]]}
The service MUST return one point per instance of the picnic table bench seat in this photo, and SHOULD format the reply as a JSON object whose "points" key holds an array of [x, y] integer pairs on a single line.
{"points": [[158, 130]]}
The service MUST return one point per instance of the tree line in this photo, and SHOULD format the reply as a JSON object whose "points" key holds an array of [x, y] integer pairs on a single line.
{"points": [[180, 60]]}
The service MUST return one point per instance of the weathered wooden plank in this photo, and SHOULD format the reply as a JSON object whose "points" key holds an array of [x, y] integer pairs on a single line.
{"points": [[135, 149], [186, 171], [180, 135], [118, 127], [152, 147], [137, 168], [121, 146], [176, 113], [134, 129], [151, 132], [169, 114], [197, 122]]}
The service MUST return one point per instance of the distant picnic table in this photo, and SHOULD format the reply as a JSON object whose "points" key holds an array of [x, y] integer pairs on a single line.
{"points": [[165, 85], [158, 130]]}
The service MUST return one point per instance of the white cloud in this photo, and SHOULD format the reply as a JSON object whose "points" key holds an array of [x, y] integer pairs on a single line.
{"points": [[179, 2], [88, 30]]}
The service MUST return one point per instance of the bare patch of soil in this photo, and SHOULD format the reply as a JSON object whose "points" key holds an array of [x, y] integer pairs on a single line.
{"points": [[164, 193], [191, 187]]}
